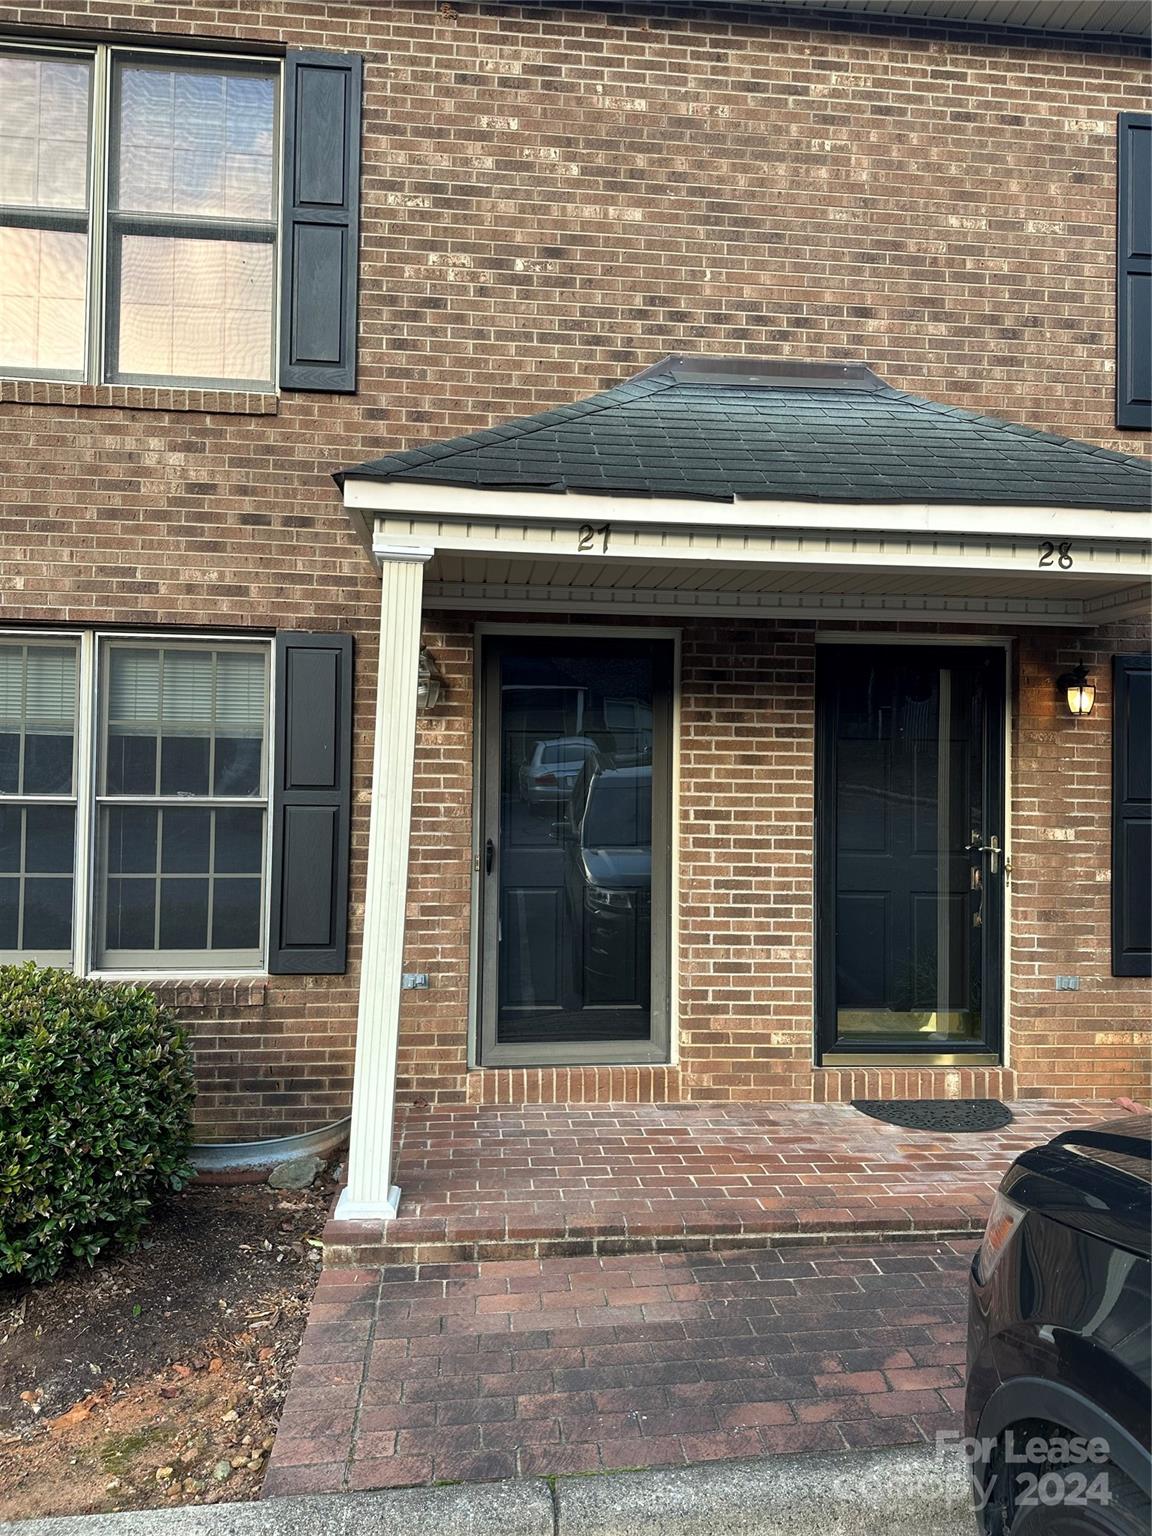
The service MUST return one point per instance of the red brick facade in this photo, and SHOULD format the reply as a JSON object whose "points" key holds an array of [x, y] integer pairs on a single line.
{"points": [[745, 914], [554, 198]]}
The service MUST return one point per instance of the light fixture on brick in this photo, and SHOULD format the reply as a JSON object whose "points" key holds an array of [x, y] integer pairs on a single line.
{"points": [[1079, 690], [430, 683]]}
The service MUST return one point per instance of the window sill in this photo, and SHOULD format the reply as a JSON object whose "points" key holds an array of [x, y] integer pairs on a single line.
{"points": [[197, 992], [138, 397]]}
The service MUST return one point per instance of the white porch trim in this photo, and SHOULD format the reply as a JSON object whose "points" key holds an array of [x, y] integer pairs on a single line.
{"points": [[973, 565], [370, 1194], [428, 500]]}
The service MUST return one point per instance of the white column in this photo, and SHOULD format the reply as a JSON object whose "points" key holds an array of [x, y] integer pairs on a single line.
{"points": [[370, 1194]]}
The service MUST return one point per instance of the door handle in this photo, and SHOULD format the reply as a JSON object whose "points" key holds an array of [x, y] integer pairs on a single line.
{"points": [[992, 848], [489, 856]]}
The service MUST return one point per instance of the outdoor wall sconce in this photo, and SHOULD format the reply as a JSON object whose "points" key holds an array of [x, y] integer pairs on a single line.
{"points": [[429, 683], [1079, 689]]}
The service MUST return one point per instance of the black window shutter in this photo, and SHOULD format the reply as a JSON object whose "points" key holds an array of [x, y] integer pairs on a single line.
{"points": [[1132, 816], [311, 805], [1134, 270], [321, 221]]}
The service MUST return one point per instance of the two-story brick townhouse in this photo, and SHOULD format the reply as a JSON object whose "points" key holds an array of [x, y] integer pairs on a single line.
{"points": [[748, 404]]}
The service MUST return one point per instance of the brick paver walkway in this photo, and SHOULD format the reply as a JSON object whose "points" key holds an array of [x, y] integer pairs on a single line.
{"points": [[491, 1182], [570, 1288], [465, 1371]]}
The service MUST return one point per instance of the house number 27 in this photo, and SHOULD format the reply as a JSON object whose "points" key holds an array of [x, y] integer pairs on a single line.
{"points": [[1058, 554], [589, 537]]}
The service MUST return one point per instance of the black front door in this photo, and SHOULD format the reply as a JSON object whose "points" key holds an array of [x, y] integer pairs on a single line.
{"points": [[910, 857], [575, 850]]}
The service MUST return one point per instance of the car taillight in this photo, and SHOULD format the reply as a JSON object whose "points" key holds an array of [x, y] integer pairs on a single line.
{"points": [[545, 778], [1003, 1219]]}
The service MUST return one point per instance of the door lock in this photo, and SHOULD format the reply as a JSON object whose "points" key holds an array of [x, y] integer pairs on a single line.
{"points": [[489, 856], [992, 848]]}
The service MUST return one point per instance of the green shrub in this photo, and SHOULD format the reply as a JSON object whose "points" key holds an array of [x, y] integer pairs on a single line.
{"points": [[95, 1095]]}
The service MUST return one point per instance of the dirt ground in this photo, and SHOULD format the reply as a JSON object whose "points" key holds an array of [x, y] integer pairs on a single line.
{"points": [[158, 1376]]}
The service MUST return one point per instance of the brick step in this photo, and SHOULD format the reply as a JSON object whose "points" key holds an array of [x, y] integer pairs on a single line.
{"points": [[556, 1234], [492, 1182]]}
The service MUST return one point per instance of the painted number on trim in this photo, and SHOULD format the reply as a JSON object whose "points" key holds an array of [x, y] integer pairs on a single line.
{"points": [[1060, 554], [589, 536]]}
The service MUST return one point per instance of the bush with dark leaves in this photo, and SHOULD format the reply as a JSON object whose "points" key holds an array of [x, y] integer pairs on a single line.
{"points": [[96, 1091]]}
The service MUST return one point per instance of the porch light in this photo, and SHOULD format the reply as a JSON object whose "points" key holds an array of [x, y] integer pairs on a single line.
{"points": [[1079, 690], [429, 683]]}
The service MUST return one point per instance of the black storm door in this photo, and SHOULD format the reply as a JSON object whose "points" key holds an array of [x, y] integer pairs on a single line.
{"points": [[910, 849], [575, 850]]}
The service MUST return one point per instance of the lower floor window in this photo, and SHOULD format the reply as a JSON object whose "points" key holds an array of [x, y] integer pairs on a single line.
{"points": [[37, 855], [133, 801], [183, 879]]}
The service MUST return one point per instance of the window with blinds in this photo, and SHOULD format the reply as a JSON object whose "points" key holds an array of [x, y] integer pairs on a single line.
{"points": [[180, 158], [182, 807], [38, 714], [191, 221], [162, 812], [45, 108]]}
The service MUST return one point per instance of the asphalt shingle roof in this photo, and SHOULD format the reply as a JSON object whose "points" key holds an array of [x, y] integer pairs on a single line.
{"points": [[720, 429]]}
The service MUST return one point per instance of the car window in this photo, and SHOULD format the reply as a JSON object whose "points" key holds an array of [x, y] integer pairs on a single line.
{"points": [[565, 752], [619, 813]]}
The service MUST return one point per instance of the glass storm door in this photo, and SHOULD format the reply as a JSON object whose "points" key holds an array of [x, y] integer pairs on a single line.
{"points": [[910, 849], [574, 850]]}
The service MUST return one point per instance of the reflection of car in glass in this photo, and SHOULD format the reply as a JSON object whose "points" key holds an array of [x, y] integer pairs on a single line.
{"points": [[613, 851], [609, 881], [549, 774], [1059, 1333]]}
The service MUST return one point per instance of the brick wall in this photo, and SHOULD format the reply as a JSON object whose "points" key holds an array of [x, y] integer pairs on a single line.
{"points": [[745, 915], [554, 198], [1097, 1040]]}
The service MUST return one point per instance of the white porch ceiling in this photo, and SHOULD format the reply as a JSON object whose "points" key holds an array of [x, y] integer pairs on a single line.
{"points": [[973, 565], [566, 575], [494, 584]]}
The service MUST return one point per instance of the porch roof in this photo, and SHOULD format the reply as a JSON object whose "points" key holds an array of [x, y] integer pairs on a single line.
{"points": [[739, 429]]}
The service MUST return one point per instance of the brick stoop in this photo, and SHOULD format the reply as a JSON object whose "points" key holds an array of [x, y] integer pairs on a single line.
{"points": [[486, 1183], [413, 1241]]}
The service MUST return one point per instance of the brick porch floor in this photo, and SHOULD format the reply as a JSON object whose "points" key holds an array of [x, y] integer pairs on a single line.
{"points": [[499, 1182]]}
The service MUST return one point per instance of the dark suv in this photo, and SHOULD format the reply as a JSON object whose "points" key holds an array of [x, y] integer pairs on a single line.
{"points": [[1059, 1328]]}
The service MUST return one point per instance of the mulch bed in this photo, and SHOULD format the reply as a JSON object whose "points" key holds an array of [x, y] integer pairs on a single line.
{"points": [[158, 1376]]}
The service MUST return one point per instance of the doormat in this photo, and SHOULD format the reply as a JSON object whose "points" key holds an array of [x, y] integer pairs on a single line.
{"points": [[938, 1114]]}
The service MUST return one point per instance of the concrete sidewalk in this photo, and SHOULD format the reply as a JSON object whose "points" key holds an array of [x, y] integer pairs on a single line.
{"points": [[863, 1493]]}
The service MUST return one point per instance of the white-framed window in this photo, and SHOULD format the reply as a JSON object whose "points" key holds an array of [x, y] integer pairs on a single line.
{"points": [[134, 780], [139, 212]]}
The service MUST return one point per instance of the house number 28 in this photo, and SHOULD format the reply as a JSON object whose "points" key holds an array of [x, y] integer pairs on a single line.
{"points": [[589, 536], [1059, 554]]}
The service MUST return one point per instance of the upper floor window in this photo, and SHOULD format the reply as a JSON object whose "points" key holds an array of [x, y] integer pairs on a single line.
{"points": [[140, 218], [155, 261]]}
